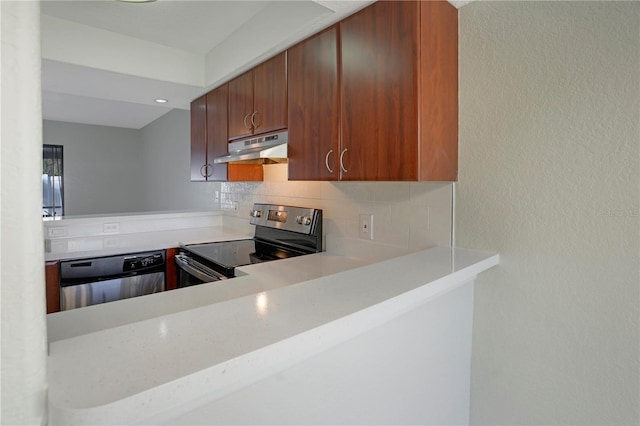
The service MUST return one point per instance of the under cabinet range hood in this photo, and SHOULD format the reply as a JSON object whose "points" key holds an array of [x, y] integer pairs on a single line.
{"points": [[264, 149]]}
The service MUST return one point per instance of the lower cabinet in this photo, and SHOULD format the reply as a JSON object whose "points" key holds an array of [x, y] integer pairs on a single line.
{"points": [[170, 271], [52, 286]]}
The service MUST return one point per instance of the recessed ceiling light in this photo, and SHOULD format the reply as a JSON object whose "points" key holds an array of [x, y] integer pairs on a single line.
{"points": [[161, 101]]}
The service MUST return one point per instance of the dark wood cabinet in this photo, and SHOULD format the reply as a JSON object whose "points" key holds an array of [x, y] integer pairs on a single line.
{"points": [[209, 140], [216, 123], [52, 286], [314, 107], [209, 136], [258, 99], [170, 269], [373, 98], [399, 92], [270, 95], [241, 106], [199, 139]]}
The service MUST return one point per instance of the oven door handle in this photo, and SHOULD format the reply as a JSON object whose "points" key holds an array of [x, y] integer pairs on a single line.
{"points": [[197, 269]]}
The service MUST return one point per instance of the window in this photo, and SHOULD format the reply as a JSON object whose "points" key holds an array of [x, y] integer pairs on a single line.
{"points": [[52, 183]]}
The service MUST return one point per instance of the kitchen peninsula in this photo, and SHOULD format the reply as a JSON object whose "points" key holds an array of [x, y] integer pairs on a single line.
{"points": [[373, 322]]}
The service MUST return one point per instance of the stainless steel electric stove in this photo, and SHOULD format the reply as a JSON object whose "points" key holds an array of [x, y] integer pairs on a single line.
{"points": [[281, 232]]}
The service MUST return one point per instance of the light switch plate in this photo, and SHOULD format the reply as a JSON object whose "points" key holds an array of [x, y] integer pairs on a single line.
{"points": [[366, 226]]}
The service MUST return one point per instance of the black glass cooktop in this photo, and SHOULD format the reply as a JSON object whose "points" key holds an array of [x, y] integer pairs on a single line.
{"points": [[224, 256]]}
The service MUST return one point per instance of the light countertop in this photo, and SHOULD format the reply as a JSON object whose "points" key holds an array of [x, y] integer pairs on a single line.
{"points": [[143, 356], [98, 246], [86, 237]]}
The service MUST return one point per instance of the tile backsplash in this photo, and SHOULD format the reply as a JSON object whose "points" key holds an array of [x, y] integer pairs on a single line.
{"points": [[409, 215]]}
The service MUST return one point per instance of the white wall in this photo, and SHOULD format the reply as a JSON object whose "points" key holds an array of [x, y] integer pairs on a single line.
{"points": [[549, 178], [103, 170], [117, 170], [21, 256], [166, 162]]}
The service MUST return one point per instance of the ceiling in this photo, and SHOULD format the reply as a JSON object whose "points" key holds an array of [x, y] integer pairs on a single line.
{"points": [[105, 62]]}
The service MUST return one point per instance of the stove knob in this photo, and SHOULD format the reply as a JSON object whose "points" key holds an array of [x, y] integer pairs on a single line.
{"points": [[303, 220], [256, 213]]}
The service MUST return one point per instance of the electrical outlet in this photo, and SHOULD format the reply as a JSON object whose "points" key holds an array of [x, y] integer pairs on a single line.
{"points": [[111, 242], [58, 231], [111, 228], [366, 226]]}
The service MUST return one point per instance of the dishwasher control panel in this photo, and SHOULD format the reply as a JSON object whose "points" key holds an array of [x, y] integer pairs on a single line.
{"points": [[108, 267], [135, 263]]}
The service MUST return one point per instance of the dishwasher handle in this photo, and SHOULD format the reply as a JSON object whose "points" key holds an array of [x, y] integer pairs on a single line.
{"points": [[197, 269]]}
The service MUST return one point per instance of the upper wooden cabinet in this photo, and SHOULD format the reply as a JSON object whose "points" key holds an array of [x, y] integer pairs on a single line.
{"points": [[199, 139], [373, 98], [209, 140], [314, 108], [217, 144], [209, 135], [399, 92], [258, 99]]}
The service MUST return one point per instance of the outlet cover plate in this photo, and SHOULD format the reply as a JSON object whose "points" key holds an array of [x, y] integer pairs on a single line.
{"points": [[111, 228], [366, 226]]}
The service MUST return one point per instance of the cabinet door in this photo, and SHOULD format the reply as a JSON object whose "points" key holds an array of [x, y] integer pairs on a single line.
{"points": [[199, 139], [217, 142], [270, 95], [241, 106], [314, 108], [379, 48], [438, 91]]}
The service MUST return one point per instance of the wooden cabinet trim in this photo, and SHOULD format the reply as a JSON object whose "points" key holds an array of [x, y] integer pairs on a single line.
{"points": [[52, 286], [170, 269]]}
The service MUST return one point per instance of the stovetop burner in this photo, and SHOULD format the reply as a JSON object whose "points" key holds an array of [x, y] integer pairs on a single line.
{"points": [[227, 255]]}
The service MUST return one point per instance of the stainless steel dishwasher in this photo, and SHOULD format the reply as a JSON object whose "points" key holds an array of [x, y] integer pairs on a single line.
{"points": [[86, 282]]}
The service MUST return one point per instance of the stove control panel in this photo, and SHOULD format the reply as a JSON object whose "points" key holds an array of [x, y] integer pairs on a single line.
{"points": [[278, 216], [296, 219]]}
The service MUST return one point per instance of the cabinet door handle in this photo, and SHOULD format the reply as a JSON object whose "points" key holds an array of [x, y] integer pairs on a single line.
{"points": [[253, 123], [341, 163], [245, 121], [326, 161], [206, 173]]}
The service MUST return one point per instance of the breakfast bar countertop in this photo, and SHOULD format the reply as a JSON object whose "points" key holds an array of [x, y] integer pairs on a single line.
{"points": [[220, 334]]}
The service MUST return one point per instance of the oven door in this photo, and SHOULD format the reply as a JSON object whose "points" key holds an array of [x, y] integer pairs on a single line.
{"points": [[192, 272]]}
